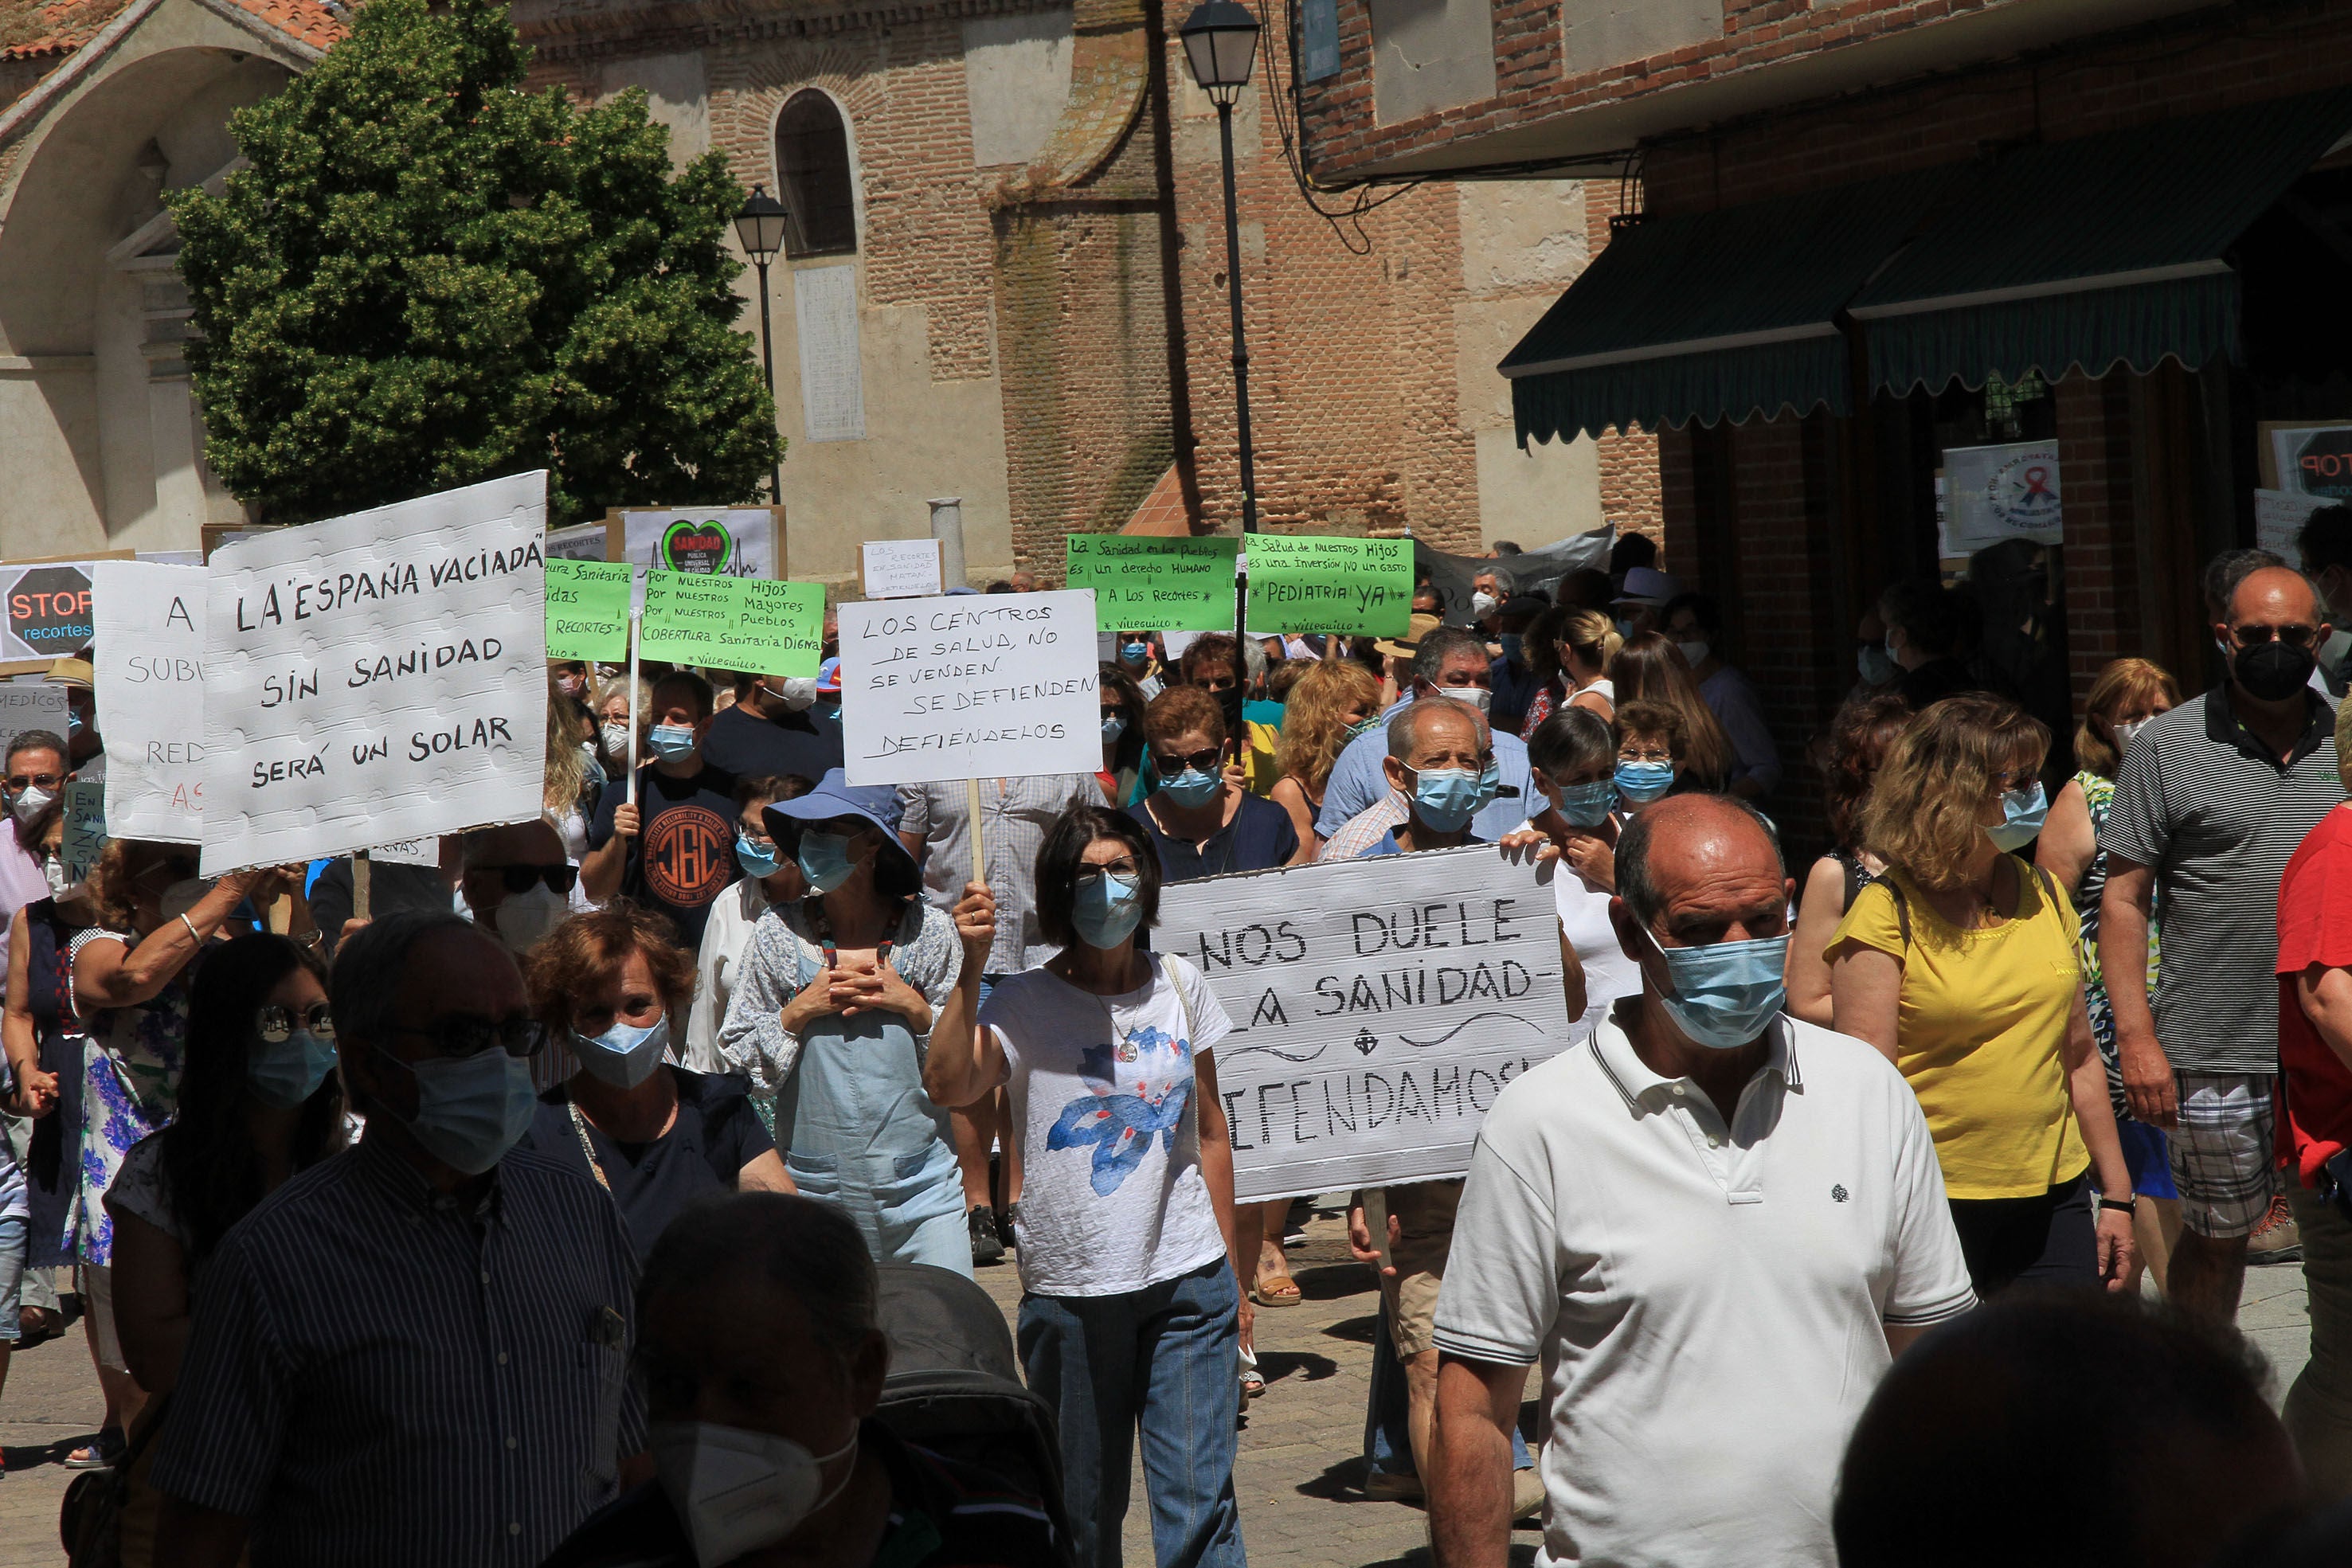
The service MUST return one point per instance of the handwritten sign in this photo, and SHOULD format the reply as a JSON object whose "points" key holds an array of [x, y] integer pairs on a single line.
{"points": [[1164, 584], [425, 853], [86, 835], [1379, 1007], [2279, 517], [377, 677], [974, 686], [1359, 587], [900, 568], [151, 698], [1996, 493], [29, 705], [779, 629], [588, 609]]}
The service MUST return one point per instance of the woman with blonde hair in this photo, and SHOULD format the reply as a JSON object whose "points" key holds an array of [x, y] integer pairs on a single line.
{"points": [[569, 782], [2127, 695], [1325, 710], [1569, 651], [1650, 669], [1962, 964]]}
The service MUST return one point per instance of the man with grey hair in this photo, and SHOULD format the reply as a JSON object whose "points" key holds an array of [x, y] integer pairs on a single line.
{"points": [[415, 1351], [1448, 663], [1712, 1223]]}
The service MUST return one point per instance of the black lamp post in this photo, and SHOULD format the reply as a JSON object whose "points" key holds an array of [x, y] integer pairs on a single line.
{"points": [[1220, 46], [760, 227]]}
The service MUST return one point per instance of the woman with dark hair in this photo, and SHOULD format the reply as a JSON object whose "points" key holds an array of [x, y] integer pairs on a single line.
{"points": [[1848, 754], [1131, 1309], [770, 877], [44, 1044], [833, 1005], [654, 1135], [1572, 761], [1650, 669], [1122, 774]]}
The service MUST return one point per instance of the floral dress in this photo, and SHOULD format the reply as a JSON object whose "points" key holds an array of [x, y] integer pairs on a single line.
{"points": [[130, 1062], [2099, 793]]}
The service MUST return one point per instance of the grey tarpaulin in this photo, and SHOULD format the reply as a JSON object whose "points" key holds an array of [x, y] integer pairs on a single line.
{"points": [[1537, 570]]}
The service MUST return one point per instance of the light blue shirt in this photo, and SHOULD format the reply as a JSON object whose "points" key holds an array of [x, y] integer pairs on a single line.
{"points": [[1357, 783]]}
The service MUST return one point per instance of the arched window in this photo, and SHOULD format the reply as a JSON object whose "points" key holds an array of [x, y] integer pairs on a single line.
{"points": [[812, 168]]}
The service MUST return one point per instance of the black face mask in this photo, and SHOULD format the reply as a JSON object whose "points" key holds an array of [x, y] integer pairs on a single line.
{"points": [[2271, 671]]}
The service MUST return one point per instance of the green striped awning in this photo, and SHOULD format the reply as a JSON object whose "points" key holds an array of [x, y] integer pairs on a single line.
{"points": [[2094, 252]]}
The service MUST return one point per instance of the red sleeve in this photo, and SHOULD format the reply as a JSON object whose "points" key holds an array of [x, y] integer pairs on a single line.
{"points": [[2315, 920]]}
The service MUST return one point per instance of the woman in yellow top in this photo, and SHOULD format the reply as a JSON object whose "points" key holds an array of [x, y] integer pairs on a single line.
{"points": [[1961, 965]]}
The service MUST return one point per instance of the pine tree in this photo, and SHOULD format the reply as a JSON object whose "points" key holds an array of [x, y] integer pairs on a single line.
{"points": [[426, 276]]}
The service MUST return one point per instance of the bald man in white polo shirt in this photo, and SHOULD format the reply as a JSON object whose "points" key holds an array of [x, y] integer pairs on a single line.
{"points": [[1713, 1297]]}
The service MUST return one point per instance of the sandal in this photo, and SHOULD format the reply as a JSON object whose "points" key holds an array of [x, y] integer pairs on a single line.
{"points": [[98, 1453], [1277, 1290], [1252, 1380]]}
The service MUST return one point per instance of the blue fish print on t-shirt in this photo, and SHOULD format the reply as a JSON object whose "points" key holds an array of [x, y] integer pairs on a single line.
{"points": [[1121, 1126]]}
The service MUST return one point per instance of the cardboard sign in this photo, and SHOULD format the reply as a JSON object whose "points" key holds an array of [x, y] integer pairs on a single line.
{"points": [[1379, 1007], [901, 569], [86, 835], [2278, 519], [700, 542], [780, 631], [31, 704], [1997, 493], [1158, 584], [974, 687], [151, 698], [580, 541], [425, 853], [2309, 459], [588, 609], [377, 677], [45, 608], [1300, 583]]}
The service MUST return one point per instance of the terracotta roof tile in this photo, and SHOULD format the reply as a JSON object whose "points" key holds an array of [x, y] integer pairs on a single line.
{"points": [[1162, 513], [30, 29]]}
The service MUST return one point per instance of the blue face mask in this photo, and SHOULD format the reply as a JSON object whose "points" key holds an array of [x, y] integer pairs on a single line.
{"points": [[758, 861], [1193, 789], [1642, 782], [672, 742], [471, 1109], [1877, 666], [73, 722], [1135, 652], [1446, 799], [2022, 814], [1513, 644], [1587, 805], [1114, 726], [1726, 992], [623, 1055], [1490, 784], [283, 1073], [1107, 909], [825, 860]]}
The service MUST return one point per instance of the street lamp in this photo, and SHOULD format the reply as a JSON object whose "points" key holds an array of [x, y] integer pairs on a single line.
{"points": [[1220, 45], [760, 227]]}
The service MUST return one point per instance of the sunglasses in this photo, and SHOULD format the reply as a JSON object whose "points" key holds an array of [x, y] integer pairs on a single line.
{"points": [[33, 780], [519, 878], [462, 1035], [1204, 761], [275, 1026], [2293, 636]]}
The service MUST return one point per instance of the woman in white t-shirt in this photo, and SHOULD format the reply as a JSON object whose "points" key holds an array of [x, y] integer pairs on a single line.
{"points": [[1572, 761], [1131, 1309]]}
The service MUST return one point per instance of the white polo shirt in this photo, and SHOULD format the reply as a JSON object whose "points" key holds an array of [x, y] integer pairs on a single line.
{"points": [[1707, 1302]]}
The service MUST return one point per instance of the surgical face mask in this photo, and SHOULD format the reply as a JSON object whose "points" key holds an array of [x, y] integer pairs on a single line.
{"points": [[73, 721], [1479, 697], [1446, 799], [758, 861], [1114, 724], [738, 1491], [31, 802], [1724, 993], [1484, 604], [1193, 789], [1365, 725], [797, 692], [1587, 805], [825, 860], [283, 1073], [2333, 653], [2125, 732], [1625, 627], [573, 686], [673, 742], [1515, 647], [1876, 665], [2023, 812], [53, 870], [2271, 671], [623, 1055], [1694, 654], [471, 1109], [1107, 909], [523, 919], [1135, 652], [1642, 782], [616, 738]]}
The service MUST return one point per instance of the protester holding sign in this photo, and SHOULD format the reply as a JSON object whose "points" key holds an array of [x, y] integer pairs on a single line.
{"points": [[1448, 664], [673, 847], [1131, 1309], [833, 1010]]}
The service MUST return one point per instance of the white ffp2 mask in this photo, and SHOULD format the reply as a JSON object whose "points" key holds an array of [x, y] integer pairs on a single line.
{"points": [[737, 1492]]}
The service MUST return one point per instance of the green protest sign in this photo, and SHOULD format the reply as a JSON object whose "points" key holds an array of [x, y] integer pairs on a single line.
{"points": [[1156, 584], [588, 609], [1358, 587], [687, 615], [85, 839], [780, 630]]}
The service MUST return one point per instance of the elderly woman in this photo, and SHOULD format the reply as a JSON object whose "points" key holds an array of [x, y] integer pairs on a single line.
{"points": [[654, 1135], [833, 1010]]}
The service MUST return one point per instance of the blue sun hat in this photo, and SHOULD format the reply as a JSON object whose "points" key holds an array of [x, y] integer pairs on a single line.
{"points": [[834, 796]]}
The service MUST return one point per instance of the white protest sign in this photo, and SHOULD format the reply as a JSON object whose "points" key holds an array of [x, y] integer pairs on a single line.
{"points": [[377, 677], [151, 698], [970, 686], [900, 568], [31, 704], [1379, 1007], [1997, 493], [2278, 519], [425, 853]]}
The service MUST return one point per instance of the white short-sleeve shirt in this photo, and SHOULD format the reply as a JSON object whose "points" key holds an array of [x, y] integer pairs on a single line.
{"points": [[1708, 1301]]}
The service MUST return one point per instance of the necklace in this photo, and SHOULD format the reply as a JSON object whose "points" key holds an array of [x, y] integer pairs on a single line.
{"points": [[1123, 1046]]}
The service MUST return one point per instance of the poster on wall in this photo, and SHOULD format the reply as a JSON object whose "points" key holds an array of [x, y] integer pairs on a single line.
{"points": [[2307, 459], [1996, 493], [699, 541]]}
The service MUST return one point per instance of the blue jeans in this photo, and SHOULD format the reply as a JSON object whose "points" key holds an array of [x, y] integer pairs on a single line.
{"points": [[12, 1275], [1164, 1360], [1388, 1430]]}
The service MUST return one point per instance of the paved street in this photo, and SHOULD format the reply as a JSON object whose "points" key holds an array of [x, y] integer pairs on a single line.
{"points": [[1299, 1507]]}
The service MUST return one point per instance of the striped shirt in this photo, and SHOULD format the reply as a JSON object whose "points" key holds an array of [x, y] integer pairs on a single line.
{"points": [[2216, 814], [1014, 815], [380, 1373], [1367, 828]]}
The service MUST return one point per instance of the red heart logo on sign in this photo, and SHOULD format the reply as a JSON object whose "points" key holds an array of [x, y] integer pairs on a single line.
{"points": [[701, 548]]}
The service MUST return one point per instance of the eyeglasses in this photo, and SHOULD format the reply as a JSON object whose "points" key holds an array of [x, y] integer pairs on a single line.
{"points": [[519, 878], [1223, 682], [469, 1034], [2293, 636], [275, 1026], [1644, 753], [1088, 875], [33, 780], [1204, 761]]}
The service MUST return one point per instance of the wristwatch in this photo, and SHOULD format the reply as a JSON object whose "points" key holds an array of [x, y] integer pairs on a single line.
{"points": [[2127, 1205]]}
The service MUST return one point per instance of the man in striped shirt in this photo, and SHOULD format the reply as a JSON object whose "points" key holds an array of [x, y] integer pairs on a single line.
{"points": [[415, 1352]]}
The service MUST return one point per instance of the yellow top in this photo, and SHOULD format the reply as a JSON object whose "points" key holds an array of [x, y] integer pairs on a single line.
{"points": [[1980, 1033]]}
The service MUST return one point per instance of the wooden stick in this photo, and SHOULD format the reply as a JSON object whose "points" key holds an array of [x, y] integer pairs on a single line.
{"points": [[1376, 1220], [636, 619], [359, 880], [971, 802]]}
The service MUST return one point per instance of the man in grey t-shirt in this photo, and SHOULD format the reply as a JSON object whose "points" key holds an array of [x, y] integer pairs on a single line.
{"points": [[2212, 800]]}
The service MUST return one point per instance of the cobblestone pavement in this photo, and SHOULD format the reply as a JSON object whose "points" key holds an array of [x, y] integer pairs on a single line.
{"points": [[1297, 1468]]}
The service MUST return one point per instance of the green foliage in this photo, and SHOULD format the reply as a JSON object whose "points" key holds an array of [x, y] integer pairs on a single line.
{"points": [[426, 276]]}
